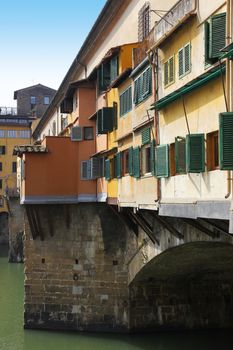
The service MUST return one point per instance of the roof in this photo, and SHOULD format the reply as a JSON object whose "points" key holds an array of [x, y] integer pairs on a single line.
{"points": [[105, 17], [19, 150], [32, 87]]}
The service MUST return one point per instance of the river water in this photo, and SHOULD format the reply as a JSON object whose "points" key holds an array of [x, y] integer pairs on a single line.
{"points": [[14, 337]]}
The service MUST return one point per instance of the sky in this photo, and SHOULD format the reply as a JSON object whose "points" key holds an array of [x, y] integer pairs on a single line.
{"points": [[39, 40]]}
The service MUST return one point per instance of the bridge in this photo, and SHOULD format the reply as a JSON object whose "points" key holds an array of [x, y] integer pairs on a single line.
{"points": [[90, 267]]}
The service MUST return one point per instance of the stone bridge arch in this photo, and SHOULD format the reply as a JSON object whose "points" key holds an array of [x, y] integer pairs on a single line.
{"points": [[185, 287]]}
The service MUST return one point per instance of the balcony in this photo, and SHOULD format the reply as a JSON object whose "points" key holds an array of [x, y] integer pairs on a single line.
{"points": [[174, 18], [8, 111]]}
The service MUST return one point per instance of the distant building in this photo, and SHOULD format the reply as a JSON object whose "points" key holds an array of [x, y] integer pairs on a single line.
{"points": [[33, 100]]}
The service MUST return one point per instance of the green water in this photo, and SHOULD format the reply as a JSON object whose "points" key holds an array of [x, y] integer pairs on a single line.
{"points": [[13, 337]]}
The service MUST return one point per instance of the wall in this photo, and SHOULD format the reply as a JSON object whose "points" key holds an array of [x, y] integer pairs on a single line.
{"points": [[76, 278], [4, 231], [16, 229]]}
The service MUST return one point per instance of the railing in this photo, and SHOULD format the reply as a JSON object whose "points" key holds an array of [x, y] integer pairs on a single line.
{"points": [[8, 111], [173, 17]]}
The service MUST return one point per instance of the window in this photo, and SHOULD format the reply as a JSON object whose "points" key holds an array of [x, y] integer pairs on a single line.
{"points": [[46, 100], [24, 134], [88, 133], [195, 153], [212, 151], [142, 86], [113, 68], [184, 60], [144, 21], [33, 101], [14, 167], [145, 136], [125, 157], [172, 164], [126, 101], [2, 149], [103, 76], [169, 71], [215, 37], [0, 183], [226, 140], [54, 128], [12, 134], [146, 159], [0, 166], [105, 120], [180, 155]]}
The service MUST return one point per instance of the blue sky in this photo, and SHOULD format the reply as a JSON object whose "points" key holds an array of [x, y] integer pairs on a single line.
{"points": [[39, 40]]}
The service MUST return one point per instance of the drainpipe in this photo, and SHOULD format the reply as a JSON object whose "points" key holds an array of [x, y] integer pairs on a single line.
{"points": [[228, 84]]}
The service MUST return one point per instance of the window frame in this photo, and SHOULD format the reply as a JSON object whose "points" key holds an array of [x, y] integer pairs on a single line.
{"points": [[212, 150], [146, 159], [139, 86], [123, 101], [45, 99], [182, 50], [84, 133], [170, 81]]}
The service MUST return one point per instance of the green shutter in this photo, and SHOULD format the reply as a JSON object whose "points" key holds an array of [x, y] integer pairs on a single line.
{"points": [[99, 122], [145, 135], [165, 72], [187, 58], [208, 60], [114, 68], [226, 140], [107, 119], [118, 165], [181, 62], [171, 69], [106, 75], [180, 156], [107, 170], [152, 157], [131, 170], [136, 162], [195, 153], [162, 161], [217, 35], [136, 91]]}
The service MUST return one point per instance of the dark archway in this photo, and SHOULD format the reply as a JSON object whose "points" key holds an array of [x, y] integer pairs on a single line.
{"points": [[185, 287]]}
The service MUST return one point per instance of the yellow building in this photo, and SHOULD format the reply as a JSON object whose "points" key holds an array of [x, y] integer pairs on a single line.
{"points": [[14, 131], [191, 99]]}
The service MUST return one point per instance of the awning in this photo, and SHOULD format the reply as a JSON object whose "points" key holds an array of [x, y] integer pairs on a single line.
{"points": [[105, 152], [189, 87], [19, 150]]}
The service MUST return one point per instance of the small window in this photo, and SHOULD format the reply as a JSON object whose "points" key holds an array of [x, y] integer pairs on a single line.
{"points": [[184, 60], [12, 134], [169, 71], [144, 21], [88, 133], [14, 167], [46, 100], [215, 37], [0, 166], [146, 159], [0, 183], [212, 151], [125, 162], [24, 134], [2, 150], [143, 86], [2, 133], [33, 100], [126, 101]]}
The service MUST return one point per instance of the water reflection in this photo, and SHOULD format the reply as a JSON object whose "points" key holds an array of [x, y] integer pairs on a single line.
{"points": [[13, 337]]}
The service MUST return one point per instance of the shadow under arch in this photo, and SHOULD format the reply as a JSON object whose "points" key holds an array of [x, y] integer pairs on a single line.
{"points": [[185, 287]]}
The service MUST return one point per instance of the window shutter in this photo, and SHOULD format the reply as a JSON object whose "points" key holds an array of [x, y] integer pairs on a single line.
{"points": [[195, 153], [115, 115], [77, 133], [180, 155], [136, 90], [166, 79], [217, 34], [107, 119], [131, 169], [99, 122], [171, 70], [95, 167], [86, 170], [114, 68], [207, 43], [136, 162], [226, 140], [187, 58], [145, 135], [162, 161], [152, 157], [118, 165], [181, 62], [107, 170]]}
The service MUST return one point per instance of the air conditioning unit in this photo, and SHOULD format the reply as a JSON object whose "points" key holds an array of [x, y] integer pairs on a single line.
{"points": [[77, 133]]}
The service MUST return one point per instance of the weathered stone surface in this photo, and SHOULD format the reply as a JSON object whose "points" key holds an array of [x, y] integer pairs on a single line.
{"points": [[4, 230], [16, 229]]}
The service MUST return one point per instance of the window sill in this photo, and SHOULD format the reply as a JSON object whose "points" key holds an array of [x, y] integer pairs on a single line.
{"points": [[146, 175]]}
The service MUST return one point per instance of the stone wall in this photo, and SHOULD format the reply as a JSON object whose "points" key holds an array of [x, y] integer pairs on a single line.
{"points": [[4, 232], [16, 228], [205, 302], [77, 276]]}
